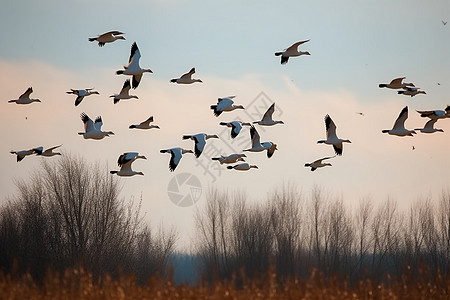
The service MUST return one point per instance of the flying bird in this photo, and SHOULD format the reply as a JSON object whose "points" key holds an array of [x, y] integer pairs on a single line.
{"points": [[200, 141], [186, 78], [133, 67], [124, 93], [176, 154], [444, 22], [292, 51], [242, 167], [332, 138], [93, 130], [257, 146], [22, 153], [225, 104], [396, 83], [235, 126], [107, 37], [124, 162], [429, 127], [399, 125], [48, 152], [230, 159], [267, 117], [435, 114], [411, 91], [25, 98], [81, 94], [319, 163], [145, 124]]}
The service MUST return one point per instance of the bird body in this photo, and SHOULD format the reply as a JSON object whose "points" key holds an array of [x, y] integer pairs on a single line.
{"points": [[133, 67], [93, 130], [145, 124], [411, 91], [429, 127], [257, 146], [25, 98], [81, 94], [225, 104], [107, 37], [176, 154], [291, 51], [124, 162], [186, 78], [267, 117], [318, 163], [399, 125], [22, 153], [48, 152], [124, 93], [235, 126], [232, 158], [200, 141], [242, 167], [396, 83], [435, 114], [332, 138]]}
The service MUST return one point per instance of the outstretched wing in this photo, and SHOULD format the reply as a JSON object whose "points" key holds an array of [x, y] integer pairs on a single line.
{"points": [[189, 74], [330, 127], [268, 114], [27, 93], [400, 122], [294, 46], [98, 123], [88, 124]]}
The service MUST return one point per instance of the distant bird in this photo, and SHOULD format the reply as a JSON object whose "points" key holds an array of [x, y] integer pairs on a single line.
{"points": [[267, 117], [242, 167], [21, 154], [145, 124], [124, 93], [435, 114], [291, 51], [200, 141], [399, 125], [235, 126], [176, 154], [48, 152], [332, 138], [125, 160], [81, 94], [230, 159], [257, 146], [225, 104], [133, 67], [107, 37], [93, 130], [444, 22], [319, 163], [396, 83], [360, 113], [25, 98], [429, 127], [413, 148], [186, 78], [411, 91]]}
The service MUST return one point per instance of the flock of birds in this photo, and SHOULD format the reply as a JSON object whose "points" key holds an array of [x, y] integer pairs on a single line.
{"points": [[93, 128]]}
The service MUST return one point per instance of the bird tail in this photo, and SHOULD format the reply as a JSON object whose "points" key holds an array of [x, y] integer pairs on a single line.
{"points": [[307, 165], [113, 172], [401, 92], [382, 85], [92, 39], [185, 137], [119, 72], [385, 131], [278, 53], [320, 142]]}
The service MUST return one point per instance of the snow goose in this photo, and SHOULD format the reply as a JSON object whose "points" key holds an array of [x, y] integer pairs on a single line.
{"points": [[292, 51], [107, 37], [235, 126], [145, 124], [257, 146], [267, 117], [332, 138], [225, 104], [25, 98], [200, 141], [435, 114], [133, 67], [124, 162], [399, 125], [48, 152], [396, 83], [124, 93], [429, 127], [81, 94], [186, 78], [230, 159], [22, 153], [318, 163], [93, 130], [242, 167], [411, 91], [176, 154]]}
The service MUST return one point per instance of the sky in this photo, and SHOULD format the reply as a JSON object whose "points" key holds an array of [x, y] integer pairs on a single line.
{"points": [[354, 46]]}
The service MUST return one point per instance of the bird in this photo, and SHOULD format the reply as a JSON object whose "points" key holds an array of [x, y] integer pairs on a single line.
{"points": [[176, 154], [133, 67], [186, 78], [22, 153], [200, 141], [396, 83], [319, 163], [267, 117], [291, 51], [225, 104], [235, 126], [242, 167], [81, 94], [411, 91], [444, 22], [332, 138], [399, 125], [124, 93], [435, 114], [48, 152], [107, 37], [124, 162], [93, 130], [257, 146], [145, 124], [429, 127], [361, 114], [25, 98], [232, 158]]}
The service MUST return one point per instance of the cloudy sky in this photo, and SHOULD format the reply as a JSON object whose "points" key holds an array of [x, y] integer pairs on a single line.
{"points": [[354, 46]]}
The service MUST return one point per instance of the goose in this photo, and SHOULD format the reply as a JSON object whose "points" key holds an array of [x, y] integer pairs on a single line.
{"points": [[176, 154], [411, 91], [319, 163], [93, 130], [107, 37], [232, 158], [133, 67], [48, 152], [81, 94], [399, 125], [225, 104], [22, 153], [186, 78], [235, 126], [291, 51], [257, 146], [396, 83], [332, 138], [429, 127], [200, 141], [145, 124], [435, 114], [242, 167], [444, 23], [25, 98], [267, 117], [124, 93], [124, 162]]}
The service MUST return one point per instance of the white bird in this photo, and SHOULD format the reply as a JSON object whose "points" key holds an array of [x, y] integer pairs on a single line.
{"points": [[93, 130], [176, 154], [25, 98], [257, 146], [124, 162], [232, 158], [225, 104], [145, 124], [242, 167], [200, 141], [186, 78], [429, 127], [332, 138], [292, 51], [48, 152], [318, 163], [21, 154], [267, 117], [435, 114], [107, 37], [396, 83], [411, 91], [399, 125], [235, 126], [81, 94], [124, 93], [444, 22], [133, 67]]}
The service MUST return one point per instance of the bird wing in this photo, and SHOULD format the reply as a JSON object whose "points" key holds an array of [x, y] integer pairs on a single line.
{"points": [[268, 114], [254, 135], [114, 32], [430, 123], [27, 93], [235, 128], [319, 161], [400, 122], [135, 55], [189, 74], [200, 142], [330, 127], [78, 100], [98, 123], [126, 87], [224, 103], [147, 122], [52, 148], [136, 80], [174, 158], [88, 124], [295, 45], [397, 81]]}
